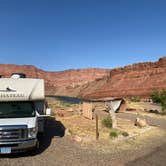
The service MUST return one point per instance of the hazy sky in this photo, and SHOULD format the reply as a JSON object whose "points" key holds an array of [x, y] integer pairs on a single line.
{"points": [[63, 34]]}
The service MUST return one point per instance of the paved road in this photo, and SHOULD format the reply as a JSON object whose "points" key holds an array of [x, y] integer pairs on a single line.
{"points": [[57, 150]]}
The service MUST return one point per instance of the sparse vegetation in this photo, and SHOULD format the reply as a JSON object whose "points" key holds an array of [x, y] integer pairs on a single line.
{"points": [[107, 122], [125, 134], [114, 134], [160, 98], [135, 99]]}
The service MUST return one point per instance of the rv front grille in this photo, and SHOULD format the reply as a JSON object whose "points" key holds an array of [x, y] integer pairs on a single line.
{"points": [[11, 133]]}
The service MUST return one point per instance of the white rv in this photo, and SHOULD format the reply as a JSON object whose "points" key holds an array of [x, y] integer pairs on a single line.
{"points": [[22, 113]]}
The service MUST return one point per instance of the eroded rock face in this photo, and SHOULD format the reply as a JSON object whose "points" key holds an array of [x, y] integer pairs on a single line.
{"points": [[55, 81], [133, 80]]}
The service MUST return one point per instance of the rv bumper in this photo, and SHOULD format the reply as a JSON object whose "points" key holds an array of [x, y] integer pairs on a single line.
{"points": [[20, 146]]}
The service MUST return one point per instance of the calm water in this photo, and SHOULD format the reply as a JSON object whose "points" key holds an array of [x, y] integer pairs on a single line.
{"points": [[71, 100]]}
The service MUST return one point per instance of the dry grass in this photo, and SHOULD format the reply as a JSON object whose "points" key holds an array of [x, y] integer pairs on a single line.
{"points": [[138, 137], [142, 106], [86, 128]]}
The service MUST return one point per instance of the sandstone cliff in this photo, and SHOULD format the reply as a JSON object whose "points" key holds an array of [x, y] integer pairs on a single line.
{"points": [[133, 80], [55, 82]]}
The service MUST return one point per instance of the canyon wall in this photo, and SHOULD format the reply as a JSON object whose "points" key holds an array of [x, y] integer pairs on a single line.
{"points": [[54, 81], [133, 80]]}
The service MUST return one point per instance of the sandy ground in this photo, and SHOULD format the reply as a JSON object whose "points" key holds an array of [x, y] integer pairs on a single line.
{"points": [[57, 149]]}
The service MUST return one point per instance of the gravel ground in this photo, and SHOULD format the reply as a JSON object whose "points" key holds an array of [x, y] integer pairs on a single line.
{"points": [[159, 122], [155, 158], [57, 150]]}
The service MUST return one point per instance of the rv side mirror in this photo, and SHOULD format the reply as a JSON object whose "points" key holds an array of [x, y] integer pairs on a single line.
{"points": [[48, 111]]}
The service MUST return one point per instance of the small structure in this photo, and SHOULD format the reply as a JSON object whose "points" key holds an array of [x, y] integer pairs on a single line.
{"points": [[114, 104], [87, 110]]}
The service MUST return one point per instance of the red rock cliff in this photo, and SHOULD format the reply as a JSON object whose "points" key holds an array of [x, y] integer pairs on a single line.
{"points": [[133, 80], [55, 80]]}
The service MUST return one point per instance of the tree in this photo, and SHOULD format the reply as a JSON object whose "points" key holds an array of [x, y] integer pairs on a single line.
{"points": [[160, 97]]}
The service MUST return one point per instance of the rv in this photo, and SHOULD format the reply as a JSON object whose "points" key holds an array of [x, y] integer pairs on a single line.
{"points": [[22, 113]]}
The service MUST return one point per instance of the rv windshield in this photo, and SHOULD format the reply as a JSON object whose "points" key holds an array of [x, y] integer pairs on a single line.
{"points": [[18, 109]]}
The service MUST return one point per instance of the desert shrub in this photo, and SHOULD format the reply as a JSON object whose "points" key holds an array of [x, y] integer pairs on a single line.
{"points": [[135, 99], [114, 134], [125, 134], [155, 95], [107, 122], [160, 97]]}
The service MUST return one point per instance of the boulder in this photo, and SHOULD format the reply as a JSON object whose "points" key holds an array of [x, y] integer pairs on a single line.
{"points": [[77, 138], [140, 122]]}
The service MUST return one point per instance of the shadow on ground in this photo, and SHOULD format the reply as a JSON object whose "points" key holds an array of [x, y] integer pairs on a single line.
{"points": [[53, 129]]}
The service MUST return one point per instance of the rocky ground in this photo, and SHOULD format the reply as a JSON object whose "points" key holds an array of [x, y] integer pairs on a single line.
{"points": [[57, 149]]}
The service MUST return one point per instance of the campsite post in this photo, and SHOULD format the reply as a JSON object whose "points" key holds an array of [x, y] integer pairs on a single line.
{"points": [[97, 129]]}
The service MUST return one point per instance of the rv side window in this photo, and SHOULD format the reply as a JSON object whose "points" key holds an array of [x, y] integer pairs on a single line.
{"points": [[39, 107]]}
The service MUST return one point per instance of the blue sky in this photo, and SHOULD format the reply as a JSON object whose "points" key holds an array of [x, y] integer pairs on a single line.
{"points": [[65, 34]]}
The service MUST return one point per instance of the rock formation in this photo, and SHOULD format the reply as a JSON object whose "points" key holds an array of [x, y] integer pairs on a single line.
{"points": [[55, 81], [132, 80]]}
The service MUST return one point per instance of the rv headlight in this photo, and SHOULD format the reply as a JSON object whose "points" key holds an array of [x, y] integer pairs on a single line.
{"points": [[32, 132]]}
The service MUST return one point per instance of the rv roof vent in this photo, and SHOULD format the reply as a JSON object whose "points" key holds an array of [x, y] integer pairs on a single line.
{"points": [[18, 75]]}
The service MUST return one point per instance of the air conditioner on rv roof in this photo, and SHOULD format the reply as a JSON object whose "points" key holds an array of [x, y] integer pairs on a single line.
{"points": [[18, 75]]}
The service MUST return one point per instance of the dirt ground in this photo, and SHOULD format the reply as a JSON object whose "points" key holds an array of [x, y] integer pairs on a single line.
{"points": [[60, 149], [86, 129], [57, 149]]}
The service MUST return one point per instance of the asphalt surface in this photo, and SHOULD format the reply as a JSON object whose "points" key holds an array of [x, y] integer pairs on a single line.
{"points": [[57, 150]]}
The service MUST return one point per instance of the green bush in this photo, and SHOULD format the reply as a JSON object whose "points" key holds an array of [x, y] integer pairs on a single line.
{"points": [[135, 99], [114, 134], [107, 122], [155, 95], [125, 134], [160, 97]]}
